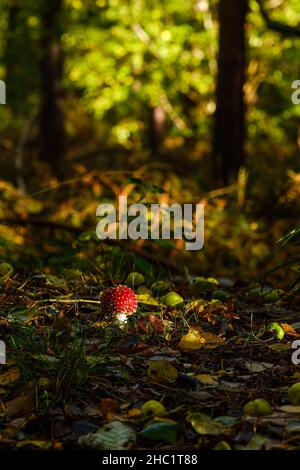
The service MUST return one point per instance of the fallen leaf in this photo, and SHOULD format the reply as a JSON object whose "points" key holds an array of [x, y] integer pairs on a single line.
{"points": [[162, 372], [5, 271], [290, 408], [293, 426], [147, 299], [279, 347], [21, 315], [161, 431], [56, 282], [211, 340], [109, 408], [222, 445], [256, 442], [134, 413], [112, 436], [45, 445], [10, 376], [253, 366], [92, 412], [205, 425], [17, 405], [207, 379], [289, 330], [150, 324], [192, 340]]}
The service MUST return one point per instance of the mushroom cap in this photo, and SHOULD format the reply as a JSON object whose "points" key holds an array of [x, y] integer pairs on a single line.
{"points": [[119, 301]]}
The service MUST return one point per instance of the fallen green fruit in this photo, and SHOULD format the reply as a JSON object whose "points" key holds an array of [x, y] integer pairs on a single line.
{"points": [[294, 394], [153, 407], [222, 445], [160, 286], [200, 285], [272, 296], [258, 407], [259, 292], [277, 329], [172, 299], [219, 295], [134, 280]]}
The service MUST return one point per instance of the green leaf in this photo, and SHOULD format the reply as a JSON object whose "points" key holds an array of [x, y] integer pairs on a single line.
{"points": [[21, 315], [161, 431], [205, 425], [88, 236], [56, 282], [5, 271], [257, 442]]}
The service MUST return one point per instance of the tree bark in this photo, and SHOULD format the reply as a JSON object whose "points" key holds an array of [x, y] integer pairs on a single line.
{"points": [[230, 111], [12, 74], [157, 129], [52, 131]]}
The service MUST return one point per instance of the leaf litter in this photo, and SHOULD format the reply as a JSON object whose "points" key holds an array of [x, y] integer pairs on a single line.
{"points": [[76, 380]]}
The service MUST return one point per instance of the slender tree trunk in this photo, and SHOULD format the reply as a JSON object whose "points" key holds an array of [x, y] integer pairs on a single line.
{"points": [[52, 115], [230, 111], [12, 75], [157, 129]]}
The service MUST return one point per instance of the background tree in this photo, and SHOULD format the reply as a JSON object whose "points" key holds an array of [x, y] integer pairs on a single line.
{"points": [[52, 97], [230, 111]]}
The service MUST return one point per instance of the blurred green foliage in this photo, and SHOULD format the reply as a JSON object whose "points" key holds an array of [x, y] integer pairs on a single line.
{"points": [[123, 57]]}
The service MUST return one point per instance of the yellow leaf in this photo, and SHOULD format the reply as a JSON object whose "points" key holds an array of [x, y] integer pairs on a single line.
{"points": [[205, 425], [162, 372], [207, 379], [279, 347], [35, 443], [147, 299], [134, 413], [192, 340]]}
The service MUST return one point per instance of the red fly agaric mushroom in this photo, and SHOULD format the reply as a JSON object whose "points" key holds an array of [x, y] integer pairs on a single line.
{"points": [[119, 301]]}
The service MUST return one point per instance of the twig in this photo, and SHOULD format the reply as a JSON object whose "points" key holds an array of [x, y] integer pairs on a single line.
{"points": [[73, 301], [282, 28]]}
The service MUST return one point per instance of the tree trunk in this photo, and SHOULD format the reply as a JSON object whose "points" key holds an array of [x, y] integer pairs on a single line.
{"points": [[230, 111], [157, 129], [12, 74], [52, 116]]}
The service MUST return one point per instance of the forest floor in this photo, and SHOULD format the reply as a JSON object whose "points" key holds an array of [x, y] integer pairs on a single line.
{"points": [[182, 373], [171, 378]]}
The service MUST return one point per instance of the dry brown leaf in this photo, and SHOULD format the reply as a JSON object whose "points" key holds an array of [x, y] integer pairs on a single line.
{"points": [[211, 340], [10, 376], [289, 330], [109, 408], [17, 405]]}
